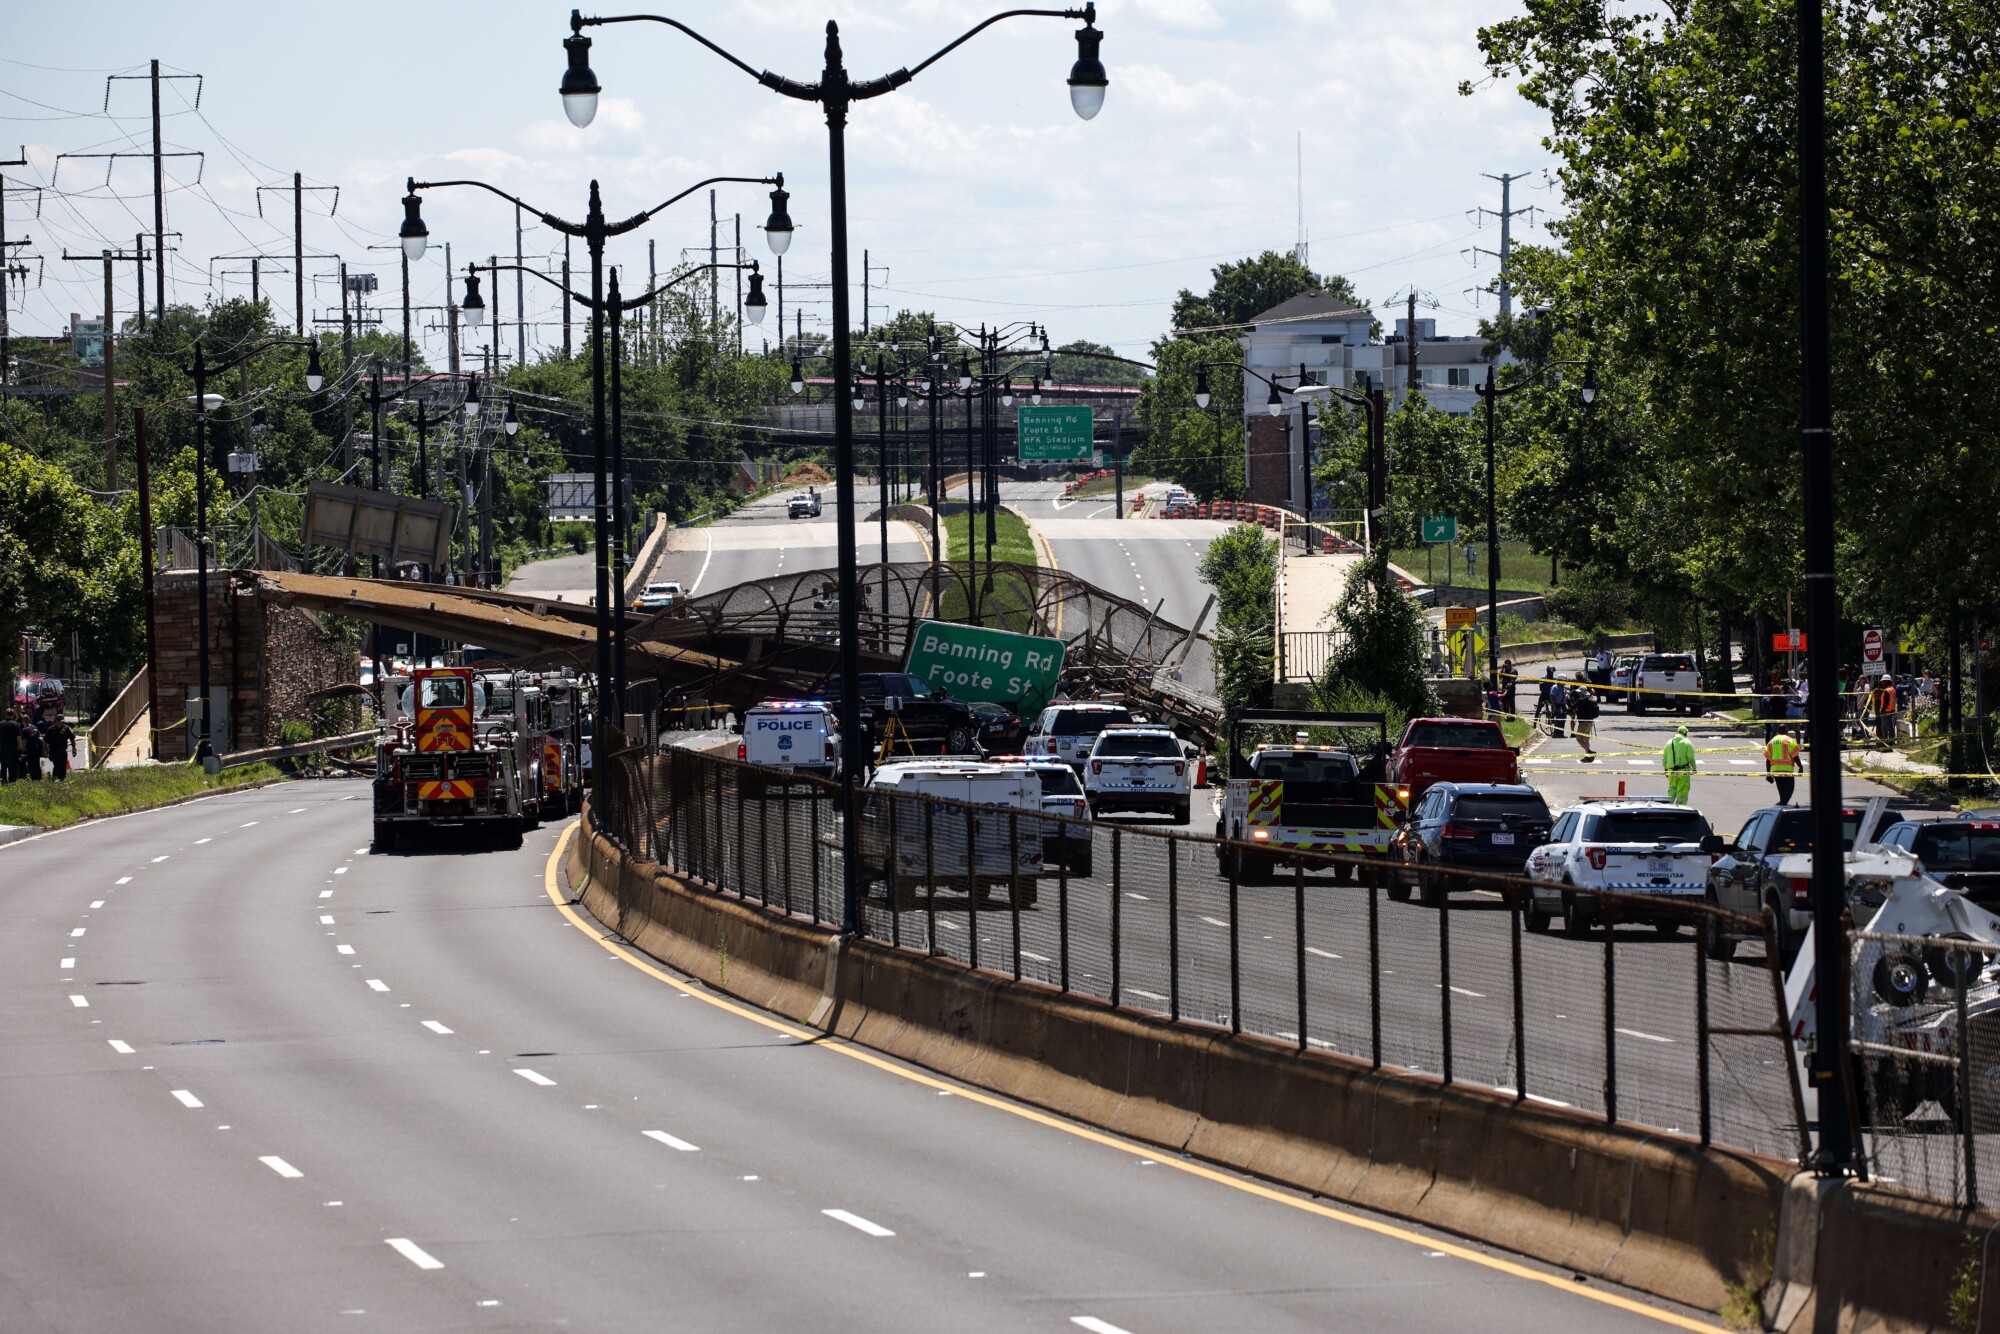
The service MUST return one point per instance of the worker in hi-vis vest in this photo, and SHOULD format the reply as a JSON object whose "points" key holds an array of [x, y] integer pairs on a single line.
{"points": [[1677, 758], [1783, 758]]}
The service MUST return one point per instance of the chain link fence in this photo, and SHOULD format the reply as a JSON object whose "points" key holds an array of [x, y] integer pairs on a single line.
{"points": [[1925, 1067], [1430, 970]]}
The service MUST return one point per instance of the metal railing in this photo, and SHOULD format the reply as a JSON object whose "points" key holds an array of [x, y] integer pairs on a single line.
{"points": [[1452, 974], [118, 716], [1303, 654]]}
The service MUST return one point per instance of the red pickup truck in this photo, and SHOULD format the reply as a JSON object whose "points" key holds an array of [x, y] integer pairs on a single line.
{"points": [[1452, 750]]}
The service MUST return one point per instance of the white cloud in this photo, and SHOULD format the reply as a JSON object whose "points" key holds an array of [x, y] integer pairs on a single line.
{"points": [[1190, 14], [1151, 87]]}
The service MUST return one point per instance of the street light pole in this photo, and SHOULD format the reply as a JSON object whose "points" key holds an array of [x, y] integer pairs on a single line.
{"points": [[834, 92], [1829, 897]]}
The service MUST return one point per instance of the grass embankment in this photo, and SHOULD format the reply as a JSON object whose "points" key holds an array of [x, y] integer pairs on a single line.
{"points": [[89, 792], [1006, 602], [1521, 570]]}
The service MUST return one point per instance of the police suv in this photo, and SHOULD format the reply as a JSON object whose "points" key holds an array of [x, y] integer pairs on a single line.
{"points": [[1140, 768], [1645, 849], [793, 736]]}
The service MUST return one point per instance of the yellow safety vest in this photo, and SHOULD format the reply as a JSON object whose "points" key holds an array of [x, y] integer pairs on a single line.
{"points": [[1781, 755], [1678, 756]]}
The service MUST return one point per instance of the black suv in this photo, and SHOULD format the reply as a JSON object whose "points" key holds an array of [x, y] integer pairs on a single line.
{"points": [[928, 718], [1478, 826]]}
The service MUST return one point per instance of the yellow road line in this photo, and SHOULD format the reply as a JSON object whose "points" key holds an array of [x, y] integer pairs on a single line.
{"points": [[824, 1042]]}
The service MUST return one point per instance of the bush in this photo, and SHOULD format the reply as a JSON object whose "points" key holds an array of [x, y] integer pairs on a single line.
{"points": [[1380, 642]]}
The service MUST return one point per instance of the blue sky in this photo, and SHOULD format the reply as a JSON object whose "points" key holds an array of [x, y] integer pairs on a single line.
{"points": [[975, 189]]}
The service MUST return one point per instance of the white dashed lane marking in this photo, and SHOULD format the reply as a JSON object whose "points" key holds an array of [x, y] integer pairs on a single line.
{"points": [[124, 879], [377, 984], [857, 1222], [122, 1048], [414, 1253], [534, 1078], [280, 1166], [671, 1141], [436, 1027], [344, 949], [80, 1002], [186, 1098]]}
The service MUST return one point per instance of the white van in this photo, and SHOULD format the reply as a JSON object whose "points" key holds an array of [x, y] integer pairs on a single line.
{"points": [[793, 736], [984, 828]]}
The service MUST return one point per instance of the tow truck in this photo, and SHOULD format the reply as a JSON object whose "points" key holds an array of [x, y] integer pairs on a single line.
{"points": [[1305, 797], [440, 765]]}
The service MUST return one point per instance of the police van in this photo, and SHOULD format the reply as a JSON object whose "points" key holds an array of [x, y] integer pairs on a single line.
{"points": [[794, 736]]}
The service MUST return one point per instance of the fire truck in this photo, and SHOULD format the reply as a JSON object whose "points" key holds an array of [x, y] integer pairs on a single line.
{"points": [[558, 727], [454, 753]]}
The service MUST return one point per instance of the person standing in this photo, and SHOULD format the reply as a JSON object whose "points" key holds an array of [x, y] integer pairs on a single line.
{"points": [[31, 753], [1543, 686], [1583, 721], [1509, 680], [1558, 707], [60, 739], [1885, 711], [10, 747], [1677, 758], [1783, 758]]}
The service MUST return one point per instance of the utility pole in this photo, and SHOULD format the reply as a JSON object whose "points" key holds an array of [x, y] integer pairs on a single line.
{"points": [[521, 301], [450, 316], [781, 345], [864, 292], [146, 555], [139, 252], [1505, 255], [738, 257], [565, 296], [256, 289], [160, 236], [7, 271], [299, 252], [1410, 338], [651, 318], [346, 360], [714, 285], [110, 379]]}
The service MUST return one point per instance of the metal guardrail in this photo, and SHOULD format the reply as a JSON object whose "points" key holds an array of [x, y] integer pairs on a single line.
{"points": [[1437, 971], [118, 717]]}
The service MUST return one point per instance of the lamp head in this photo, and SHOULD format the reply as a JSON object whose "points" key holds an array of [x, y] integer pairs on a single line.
{"points": [[798, 377], [511, 423], [1587, 391], [473, 307], [778, 227], [1202, 396], [755, 305], [314, 376], [414, 234], [1274, 404], [964, 374], [1036, 395], [1087, 81], [1007, 393], [902, 394], [579, 82]]}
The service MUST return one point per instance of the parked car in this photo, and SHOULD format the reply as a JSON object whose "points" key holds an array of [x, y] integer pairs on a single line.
{"points": [[39, 696], [1665, 681], [1622, 672], [1002, 730], [927, 717], [1964, 854], [1643, 847], [1748, 877], [1476, 826], [1452, 750], [991, 834], [1068, 730], [1064, 846], [1141, 768], [658, 596]]}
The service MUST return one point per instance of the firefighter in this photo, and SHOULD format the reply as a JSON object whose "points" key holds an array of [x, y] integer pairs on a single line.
{"points": [[1782, 762], [1677, 758]]}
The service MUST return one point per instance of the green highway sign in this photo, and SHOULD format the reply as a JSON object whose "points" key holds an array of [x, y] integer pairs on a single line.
{"points": [[1053, 434], [1440, 528], [994, 666]]}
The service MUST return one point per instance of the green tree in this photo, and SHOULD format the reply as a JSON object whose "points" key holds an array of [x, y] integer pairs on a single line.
{"points": [[1379, 642], [1437, 465], [65, 565], [1241, 289], [1092, 369], [1242, 567], [1200, 449]]}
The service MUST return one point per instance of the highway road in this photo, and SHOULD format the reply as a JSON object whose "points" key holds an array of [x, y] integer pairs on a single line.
{"points": [[758, 542], [259, 1078]]}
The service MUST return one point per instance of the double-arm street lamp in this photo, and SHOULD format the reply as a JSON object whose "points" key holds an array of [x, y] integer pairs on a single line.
{"points": [[1492, 391], [202, 400], [473, 308], [595, 229], [1274, 405], [1375, 408], [835, 92]]}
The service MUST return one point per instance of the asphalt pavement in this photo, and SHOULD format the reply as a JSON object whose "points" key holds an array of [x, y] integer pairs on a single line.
{"points": [[259, 1078], [758, 541]]}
